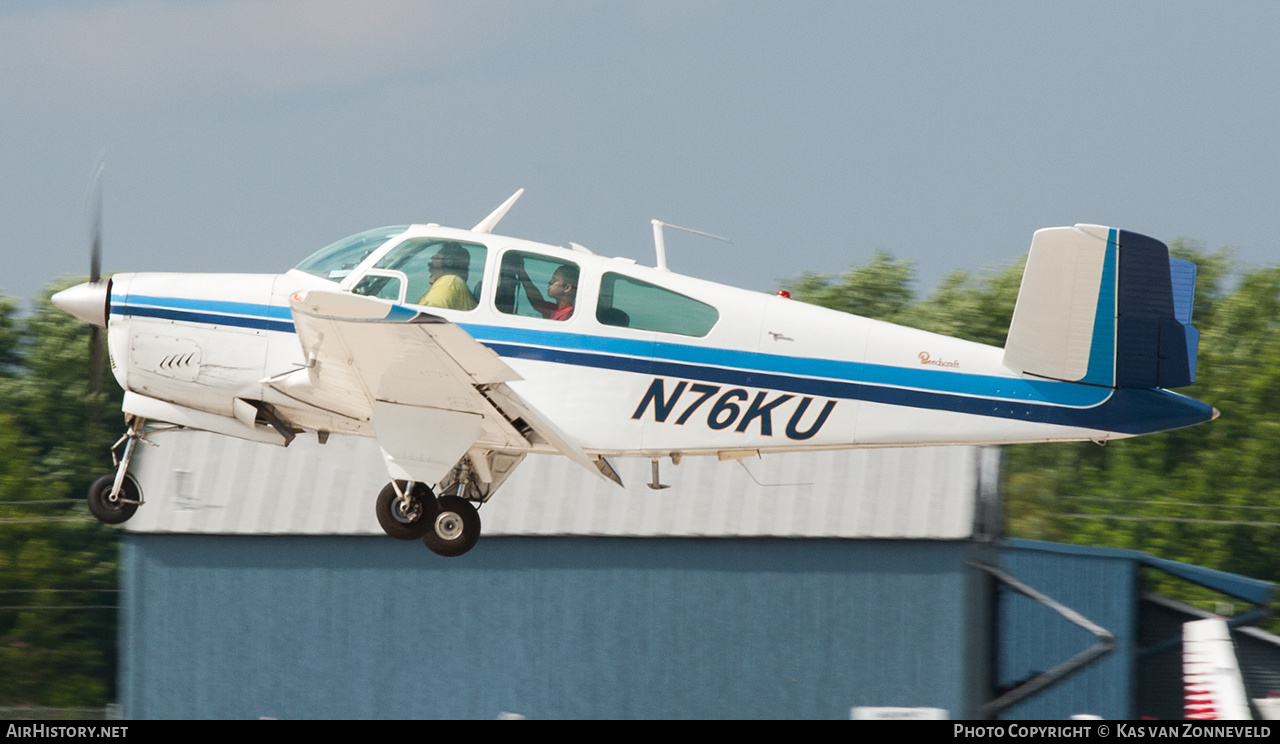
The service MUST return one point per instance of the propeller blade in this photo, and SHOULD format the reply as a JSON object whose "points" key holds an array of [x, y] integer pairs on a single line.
{"points": [[97, 353], [95, 228], [97, 358]]}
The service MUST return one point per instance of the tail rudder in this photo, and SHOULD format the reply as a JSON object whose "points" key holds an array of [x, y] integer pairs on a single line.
{"points": [[1105, 307], [1213, 687]]}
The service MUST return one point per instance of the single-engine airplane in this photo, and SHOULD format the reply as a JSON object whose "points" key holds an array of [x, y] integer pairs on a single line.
{"points": [[462, 351]]}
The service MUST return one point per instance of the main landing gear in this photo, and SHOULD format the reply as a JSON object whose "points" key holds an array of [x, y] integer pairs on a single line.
{"points": [[114, 497], [449, 525], [455, 529], [406, 510]]}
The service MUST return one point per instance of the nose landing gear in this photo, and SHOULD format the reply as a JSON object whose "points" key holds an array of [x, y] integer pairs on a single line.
{"points": [[114, 497], [113, 506]]}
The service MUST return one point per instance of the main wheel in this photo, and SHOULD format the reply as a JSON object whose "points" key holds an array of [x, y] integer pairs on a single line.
{"points": [[406, 523], [118, 510], [455, 529]]}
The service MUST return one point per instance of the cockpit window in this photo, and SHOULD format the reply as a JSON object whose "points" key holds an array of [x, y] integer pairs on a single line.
{"points": [[439, 273], [520, 278], [631, 303], [336, 261]]}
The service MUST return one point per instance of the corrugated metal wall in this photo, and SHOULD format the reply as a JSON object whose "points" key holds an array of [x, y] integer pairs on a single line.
{"points": [[1101, 585], [1160, 685], [206, 483], [560, 627]]}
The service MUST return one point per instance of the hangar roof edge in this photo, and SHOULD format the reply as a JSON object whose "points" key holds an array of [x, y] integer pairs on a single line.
{"points": [[1257, 591]]}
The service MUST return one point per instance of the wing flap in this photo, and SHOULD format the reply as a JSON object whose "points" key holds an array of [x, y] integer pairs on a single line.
{"points": [[423, 444], [510, 402], [431, 391], [399, 369]]}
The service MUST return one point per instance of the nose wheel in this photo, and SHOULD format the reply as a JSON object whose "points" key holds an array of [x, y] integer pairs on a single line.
{"points": [[111, 506], [114, 497], [455, 529]]}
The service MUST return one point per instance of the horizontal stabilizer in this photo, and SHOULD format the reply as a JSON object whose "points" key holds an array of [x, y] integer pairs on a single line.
{"points": [[1104, 307]]}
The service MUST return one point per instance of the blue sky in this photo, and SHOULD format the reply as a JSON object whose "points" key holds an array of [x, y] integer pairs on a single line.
{"points": [[241, 136]]}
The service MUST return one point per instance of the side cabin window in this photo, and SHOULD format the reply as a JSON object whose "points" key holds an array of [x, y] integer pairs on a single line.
{"points": [[334, 262], [536, 286], [631, 303], [430, 272]]}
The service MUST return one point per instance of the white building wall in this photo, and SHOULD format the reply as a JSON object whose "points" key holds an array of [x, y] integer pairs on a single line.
{"points": [[198, 482]]}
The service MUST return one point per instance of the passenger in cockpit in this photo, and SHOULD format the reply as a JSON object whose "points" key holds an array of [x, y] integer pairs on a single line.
{"points": [[563, 289]]}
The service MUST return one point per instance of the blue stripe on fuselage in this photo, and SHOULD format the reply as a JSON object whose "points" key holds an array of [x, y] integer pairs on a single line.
{"points": [[1130, 411], [1042, 401], [926, 380], [276, 312], [259, 322]]}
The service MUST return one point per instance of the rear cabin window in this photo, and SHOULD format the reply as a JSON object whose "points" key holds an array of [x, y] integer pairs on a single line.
{"points": [[536, 286], [630, 303], [429, 272]]}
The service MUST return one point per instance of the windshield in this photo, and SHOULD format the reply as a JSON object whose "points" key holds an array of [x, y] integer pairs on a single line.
{"points": [[336, 261]]}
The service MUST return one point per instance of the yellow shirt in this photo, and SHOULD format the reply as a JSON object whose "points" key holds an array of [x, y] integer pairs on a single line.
{"points": [[449, 291]]}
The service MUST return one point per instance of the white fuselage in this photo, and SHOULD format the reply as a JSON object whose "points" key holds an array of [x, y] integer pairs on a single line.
{"points": [[770, 375]]}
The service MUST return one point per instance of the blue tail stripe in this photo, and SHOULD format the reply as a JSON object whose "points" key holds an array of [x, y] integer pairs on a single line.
{"points": [[1102, 349], [1182, 276]]}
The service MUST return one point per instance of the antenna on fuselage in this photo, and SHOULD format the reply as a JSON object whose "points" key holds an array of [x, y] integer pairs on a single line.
{"points": [[660, 247], [488, 223]]}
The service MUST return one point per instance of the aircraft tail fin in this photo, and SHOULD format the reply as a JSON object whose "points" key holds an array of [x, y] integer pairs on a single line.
{"points": [[1211, 673], [1104, 307]]}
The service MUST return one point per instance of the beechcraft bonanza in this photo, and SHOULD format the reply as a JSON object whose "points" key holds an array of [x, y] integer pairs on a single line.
{"points": [[462, 351]]}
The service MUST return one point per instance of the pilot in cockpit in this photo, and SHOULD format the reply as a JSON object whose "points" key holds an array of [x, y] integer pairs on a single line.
{"points": [[449, 279]]}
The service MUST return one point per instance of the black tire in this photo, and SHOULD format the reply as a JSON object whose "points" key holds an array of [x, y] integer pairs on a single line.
{"points": [[455, 528], [410, 526], [118, 511]]}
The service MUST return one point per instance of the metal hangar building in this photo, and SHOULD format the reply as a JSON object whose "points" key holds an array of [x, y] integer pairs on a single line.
{"points": [[257, 583]]}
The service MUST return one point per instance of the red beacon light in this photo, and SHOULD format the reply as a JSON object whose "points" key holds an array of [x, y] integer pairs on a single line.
{"points": [[784, 293]]}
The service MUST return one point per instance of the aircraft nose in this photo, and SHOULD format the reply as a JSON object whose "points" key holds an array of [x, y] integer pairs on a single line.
{"points": [[87, 301]]}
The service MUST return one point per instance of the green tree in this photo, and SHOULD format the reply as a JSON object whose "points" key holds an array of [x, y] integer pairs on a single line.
{"points": [[57, 622], [1208, 495], [973, 307], [879, 289], [9, 337]]}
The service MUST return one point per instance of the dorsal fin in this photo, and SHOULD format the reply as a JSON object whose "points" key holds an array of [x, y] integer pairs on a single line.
{"points": [[488, 223]]}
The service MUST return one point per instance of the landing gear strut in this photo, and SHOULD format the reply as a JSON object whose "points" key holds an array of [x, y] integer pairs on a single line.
{"points": [[448, 525], [456, 526], [114, 497]]}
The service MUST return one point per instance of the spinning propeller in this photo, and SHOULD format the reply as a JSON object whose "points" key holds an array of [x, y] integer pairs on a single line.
{"points": [[90, 301]]}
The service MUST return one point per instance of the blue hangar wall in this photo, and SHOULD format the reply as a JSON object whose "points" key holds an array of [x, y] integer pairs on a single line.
{"points": [[1104, 585], [550, 627]]}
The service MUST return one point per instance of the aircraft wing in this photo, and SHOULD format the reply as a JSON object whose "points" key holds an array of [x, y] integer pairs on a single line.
{"points": [[430, 390]]}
